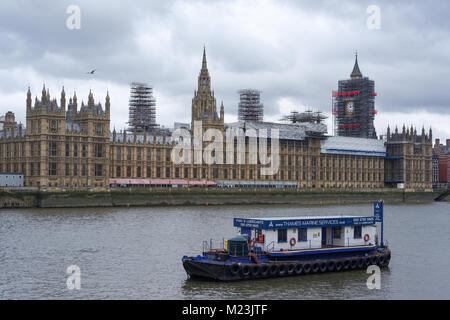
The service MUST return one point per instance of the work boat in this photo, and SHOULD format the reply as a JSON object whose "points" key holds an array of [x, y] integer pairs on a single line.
{"points": [[275, 247]]}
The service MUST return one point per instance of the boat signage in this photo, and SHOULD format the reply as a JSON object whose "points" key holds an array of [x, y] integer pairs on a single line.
{"points": [[303, 222], [378, 211]]}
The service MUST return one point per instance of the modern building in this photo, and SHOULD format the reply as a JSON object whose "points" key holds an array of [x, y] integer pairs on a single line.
{"points": [[67, 146], [441, 158]]}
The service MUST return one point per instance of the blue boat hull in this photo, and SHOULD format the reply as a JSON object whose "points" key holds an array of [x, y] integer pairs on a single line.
{"points": [[230, 271]]}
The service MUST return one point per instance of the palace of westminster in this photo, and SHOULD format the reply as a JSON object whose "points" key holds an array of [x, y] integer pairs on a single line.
{"points": [[70, 145]]}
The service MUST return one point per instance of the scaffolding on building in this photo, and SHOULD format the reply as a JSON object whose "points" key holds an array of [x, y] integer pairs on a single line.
{"points": [[142, 108], [353, 108], [309, 116], [250, 107]]}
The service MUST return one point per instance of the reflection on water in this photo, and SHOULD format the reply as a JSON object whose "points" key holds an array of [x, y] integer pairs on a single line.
{"points": [[136, 254]]}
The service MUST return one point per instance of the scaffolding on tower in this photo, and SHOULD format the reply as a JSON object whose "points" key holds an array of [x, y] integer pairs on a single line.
{"points": [[142, 108], [250, 107], [358, 121]]}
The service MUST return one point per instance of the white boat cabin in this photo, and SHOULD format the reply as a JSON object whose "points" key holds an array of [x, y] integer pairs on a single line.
{"points": [[275, 234]]}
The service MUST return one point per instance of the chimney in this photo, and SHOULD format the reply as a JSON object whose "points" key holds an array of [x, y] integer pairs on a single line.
{"points": [[436, 143]]}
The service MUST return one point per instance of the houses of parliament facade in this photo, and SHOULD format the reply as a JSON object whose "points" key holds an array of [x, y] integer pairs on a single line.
{"points": [[65, 144]]}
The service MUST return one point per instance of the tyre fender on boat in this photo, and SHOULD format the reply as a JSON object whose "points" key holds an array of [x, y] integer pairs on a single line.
{"points": [[306, 268], [331, 265], [346, 265], [367, 261], [264, 270], [290, 268], [255, 270], [360, 262], [323, 266], [245, 270], [315, 267], [375, 260], [282, 270], [381, 260], [235, 268], [298, 268], [273, 270], [339, 265]]}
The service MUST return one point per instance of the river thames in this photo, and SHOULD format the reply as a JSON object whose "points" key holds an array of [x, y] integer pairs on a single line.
{"points": [[135, 253]]}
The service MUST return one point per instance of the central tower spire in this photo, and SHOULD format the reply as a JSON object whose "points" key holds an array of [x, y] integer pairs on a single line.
{"points": [[204, 103]]}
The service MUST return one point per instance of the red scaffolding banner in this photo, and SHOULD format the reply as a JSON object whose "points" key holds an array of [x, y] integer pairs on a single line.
{"points": [[345, 93], [349, 126]]}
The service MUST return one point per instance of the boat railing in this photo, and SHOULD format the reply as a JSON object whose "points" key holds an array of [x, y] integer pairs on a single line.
{"points": [[268, 249], [213, 245]]}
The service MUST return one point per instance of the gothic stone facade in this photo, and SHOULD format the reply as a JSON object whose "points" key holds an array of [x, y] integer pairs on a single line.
{"points": [[70, 147]]}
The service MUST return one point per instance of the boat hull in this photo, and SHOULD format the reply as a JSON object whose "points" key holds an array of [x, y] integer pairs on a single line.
{"points": [[226, 271]]}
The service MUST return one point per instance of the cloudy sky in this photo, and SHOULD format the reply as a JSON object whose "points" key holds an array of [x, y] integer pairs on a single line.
{"points": [[294, 51]]}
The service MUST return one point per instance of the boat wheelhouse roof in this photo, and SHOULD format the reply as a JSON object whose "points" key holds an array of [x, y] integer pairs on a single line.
{"points": [[303, 222]]}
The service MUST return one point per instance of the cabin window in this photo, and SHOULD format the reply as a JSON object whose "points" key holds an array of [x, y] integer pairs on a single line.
{"points": [[302, 234], [337, 232], [357, 232], [282, 235]]}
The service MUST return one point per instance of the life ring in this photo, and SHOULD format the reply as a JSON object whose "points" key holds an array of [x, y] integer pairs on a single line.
{"points": [[366, 237], [292, 242], [251, 243]]}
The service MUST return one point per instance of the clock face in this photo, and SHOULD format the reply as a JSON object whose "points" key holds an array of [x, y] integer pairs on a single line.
{"points": [[349, 107]]}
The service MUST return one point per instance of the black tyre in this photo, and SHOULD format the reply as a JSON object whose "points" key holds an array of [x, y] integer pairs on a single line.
{"points": [[315, 267], [245, 270], [235, 268], [264, 270], [273, 270], [282, 270], [291, 268], [339, 265], [347, 264], [331, 266], [298, 268], [254, 270], [323, 267], [306, 268]]}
